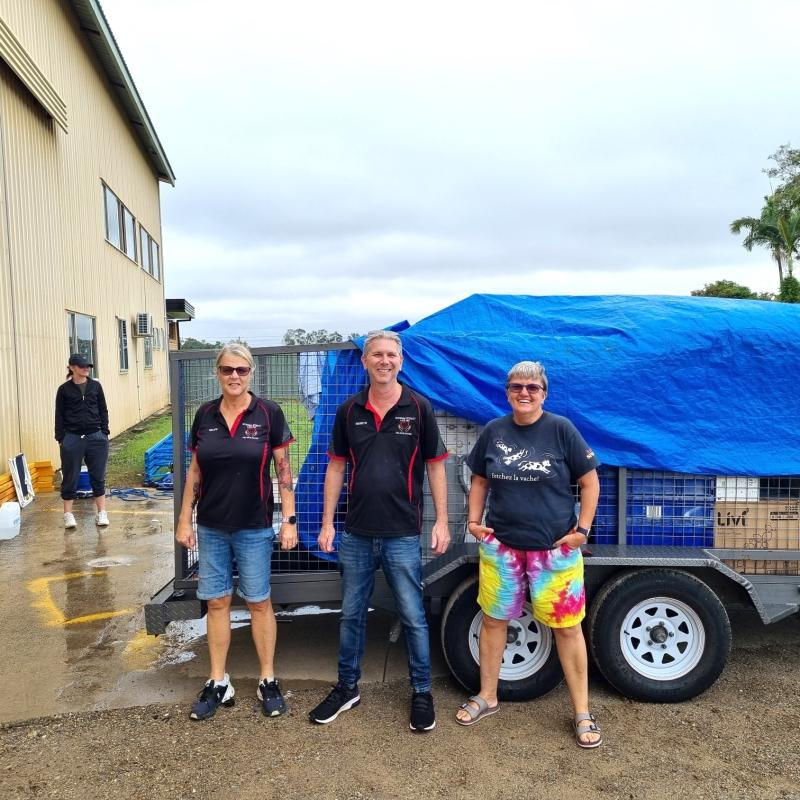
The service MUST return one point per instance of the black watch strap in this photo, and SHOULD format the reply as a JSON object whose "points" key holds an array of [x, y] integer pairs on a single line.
{"points": [[291, 520], [584, 531]]}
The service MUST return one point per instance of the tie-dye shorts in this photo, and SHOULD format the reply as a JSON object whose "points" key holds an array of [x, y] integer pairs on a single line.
{"points": [[555, 579]]}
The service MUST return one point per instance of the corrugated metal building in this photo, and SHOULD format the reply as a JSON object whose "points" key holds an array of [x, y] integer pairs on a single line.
{"points": [[80, 223]]}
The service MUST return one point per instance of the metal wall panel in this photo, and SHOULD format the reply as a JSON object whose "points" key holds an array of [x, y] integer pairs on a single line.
{"points": [[57, 258]]}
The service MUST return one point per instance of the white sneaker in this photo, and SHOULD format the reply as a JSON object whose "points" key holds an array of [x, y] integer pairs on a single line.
{"points": [[101, 520], [69, 520]]}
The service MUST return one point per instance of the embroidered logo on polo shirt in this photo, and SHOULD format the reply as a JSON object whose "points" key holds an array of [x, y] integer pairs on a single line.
{"points": [[250, 431], [404, 425]]}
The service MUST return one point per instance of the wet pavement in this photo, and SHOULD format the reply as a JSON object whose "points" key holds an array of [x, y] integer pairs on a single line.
{"points": [[73, 635]]}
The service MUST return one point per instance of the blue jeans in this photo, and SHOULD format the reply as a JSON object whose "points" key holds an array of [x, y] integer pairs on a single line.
{"points": [[359, 557], [252, 550]]}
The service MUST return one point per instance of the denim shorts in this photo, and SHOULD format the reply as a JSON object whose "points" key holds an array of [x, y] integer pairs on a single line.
{"points": [[252, 550]]}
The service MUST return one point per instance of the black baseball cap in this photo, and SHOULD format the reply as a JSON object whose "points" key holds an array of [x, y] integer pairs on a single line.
{"points": [[77, 360]]}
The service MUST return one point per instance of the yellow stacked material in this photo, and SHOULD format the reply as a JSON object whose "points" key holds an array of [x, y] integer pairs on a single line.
{"points": [[42, 476], [7, 490]]}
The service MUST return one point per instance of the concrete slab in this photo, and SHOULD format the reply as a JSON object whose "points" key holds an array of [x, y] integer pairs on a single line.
{"points": [[73, 632]]}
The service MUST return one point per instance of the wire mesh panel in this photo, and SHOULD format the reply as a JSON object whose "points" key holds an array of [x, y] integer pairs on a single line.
{"points": [[758, 514], [659, 508], [669, 508]]}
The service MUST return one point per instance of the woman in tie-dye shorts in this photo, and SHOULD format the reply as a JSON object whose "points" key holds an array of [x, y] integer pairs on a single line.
{"points": [[523, 467]]}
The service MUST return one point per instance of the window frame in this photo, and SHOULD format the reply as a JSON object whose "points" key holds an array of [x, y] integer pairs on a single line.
{"points": [[107, 192], [148, 352], [122, 336], [74, 342]]}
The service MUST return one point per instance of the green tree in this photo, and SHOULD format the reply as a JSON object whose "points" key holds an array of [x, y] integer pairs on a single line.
{"points": [[725, 288], [790, 290], [777, 229], [301, 336], [201, 344], [787, 173]]}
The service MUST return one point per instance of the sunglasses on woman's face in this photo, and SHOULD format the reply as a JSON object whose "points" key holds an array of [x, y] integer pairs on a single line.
{"points": [[533, 388], [240, 371]]}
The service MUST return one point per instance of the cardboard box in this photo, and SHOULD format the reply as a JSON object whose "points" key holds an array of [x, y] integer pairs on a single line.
{"points": [[759, 526]]}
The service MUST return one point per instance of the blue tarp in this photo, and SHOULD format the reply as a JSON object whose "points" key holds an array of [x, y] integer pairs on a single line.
{"points": [[683, 384], [686, 384]]}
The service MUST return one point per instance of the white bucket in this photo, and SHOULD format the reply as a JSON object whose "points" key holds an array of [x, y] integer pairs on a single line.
{"points": [[9, 520]]}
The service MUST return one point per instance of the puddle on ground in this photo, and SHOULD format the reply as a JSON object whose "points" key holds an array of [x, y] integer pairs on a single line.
{"points": [[181, 635], [115, 561]]}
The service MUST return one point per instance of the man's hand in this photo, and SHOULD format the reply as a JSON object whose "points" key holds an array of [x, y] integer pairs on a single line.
{"points": [[325, 538], [288, 536], [184, 534], [440, 537]]}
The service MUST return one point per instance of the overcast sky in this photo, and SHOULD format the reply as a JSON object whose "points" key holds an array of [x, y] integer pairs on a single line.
{"points": [[346, 165]]}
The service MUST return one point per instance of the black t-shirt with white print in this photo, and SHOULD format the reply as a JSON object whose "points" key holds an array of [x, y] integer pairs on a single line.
{"points": [[530, 469]]}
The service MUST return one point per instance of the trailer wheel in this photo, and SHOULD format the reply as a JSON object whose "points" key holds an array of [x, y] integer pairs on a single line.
{"points": [[530, 666], [659, 635]]}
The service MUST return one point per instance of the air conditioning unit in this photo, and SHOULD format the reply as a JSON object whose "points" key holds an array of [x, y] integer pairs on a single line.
{"points": [[144, 324]]}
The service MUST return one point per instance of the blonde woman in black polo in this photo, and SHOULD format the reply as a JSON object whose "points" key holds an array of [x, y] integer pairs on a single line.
{"points": [[234, 438]]}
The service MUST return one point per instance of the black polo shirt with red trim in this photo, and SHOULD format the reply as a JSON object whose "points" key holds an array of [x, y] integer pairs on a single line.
{"points": [[235, 484], [387, 462]]}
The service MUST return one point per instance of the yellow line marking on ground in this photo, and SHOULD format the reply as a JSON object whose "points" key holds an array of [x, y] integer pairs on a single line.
{"points": [[142, 650], [40, 587]]}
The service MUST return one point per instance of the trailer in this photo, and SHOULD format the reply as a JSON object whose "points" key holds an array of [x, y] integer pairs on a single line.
{"points": [[671, 552]]}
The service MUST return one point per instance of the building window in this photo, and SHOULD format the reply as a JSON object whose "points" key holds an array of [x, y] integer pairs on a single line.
{"points": [[120, 224], [148, 352], [144, 248], [151, 255], [123, 344], [113, 227], [129, 231], [82, 338], [155, 261]]}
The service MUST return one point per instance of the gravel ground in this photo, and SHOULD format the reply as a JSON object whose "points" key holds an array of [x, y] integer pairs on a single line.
{"points": [[737, 741]]}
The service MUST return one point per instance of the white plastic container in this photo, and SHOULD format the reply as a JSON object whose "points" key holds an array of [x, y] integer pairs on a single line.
{"points": [[9, 520]]}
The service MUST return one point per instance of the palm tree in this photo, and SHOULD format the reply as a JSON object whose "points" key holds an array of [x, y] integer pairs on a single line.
{"points": [[776, 229]]}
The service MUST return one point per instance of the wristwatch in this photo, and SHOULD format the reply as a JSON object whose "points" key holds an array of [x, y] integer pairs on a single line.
{"points": [[584, 531], [290, 520]]}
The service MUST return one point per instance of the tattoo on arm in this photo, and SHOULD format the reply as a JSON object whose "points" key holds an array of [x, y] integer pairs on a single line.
{"points": [[195, 493], [285, 474]]}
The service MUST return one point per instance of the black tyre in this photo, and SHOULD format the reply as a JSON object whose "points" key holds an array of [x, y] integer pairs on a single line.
{"points": [[659, 635], [530, 665]]}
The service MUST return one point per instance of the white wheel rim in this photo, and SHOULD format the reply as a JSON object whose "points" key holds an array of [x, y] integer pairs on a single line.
{"points": [[674, 643], [527, 650]]}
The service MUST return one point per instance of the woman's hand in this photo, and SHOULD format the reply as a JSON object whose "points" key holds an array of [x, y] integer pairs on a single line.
{"points": [[571, 539], [288, 536], [184, 534], [479, 531]]}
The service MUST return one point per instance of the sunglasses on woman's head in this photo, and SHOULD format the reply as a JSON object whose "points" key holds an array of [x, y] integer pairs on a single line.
{"points": [[240, 371]]}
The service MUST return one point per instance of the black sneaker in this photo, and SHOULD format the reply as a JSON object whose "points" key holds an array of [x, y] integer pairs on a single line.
{"points": [[423, 717], [211, 698], [271, 698], [341, 698]]}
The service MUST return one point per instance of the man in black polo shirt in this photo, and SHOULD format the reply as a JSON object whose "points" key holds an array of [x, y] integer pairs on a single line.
{"points": [[389, 435]]}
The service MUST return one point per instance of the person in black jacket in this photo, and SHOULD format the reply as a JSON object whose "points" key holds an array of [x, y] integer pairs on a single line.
{"points": [[82, 432]]}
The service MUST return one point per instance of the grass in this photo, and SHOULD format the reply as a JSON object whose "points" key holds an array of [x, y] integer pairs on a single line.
{"points": [[126, 459], [301, 427]]}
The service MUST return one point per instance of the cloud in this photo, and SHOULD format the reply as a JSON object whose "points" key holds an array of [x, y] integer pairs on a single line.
{"points": [[345, 165]]}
